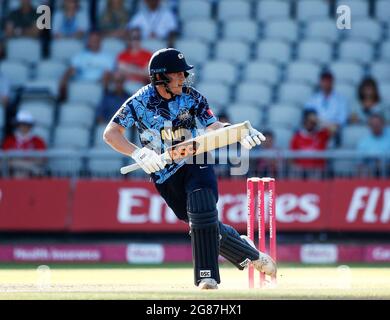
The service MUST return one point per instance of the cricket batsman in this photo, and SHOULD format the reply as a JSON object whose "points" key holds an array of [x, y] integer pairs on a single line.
{"points": [[165, 106]]}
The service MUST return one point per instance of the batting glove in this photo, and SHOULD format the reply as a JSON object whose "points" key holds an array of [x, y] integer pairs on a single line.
{"points": [[148, 160], [254, 138]]}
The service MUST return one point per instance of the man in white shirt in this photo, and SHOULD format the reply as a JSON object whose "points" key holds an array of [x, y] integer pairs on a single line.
{"points": [[331, 107], [91, 64], [155, 22]]}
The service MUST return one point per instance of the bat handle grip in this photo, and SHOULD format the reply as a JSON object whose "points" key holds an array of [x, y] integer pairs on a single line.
{"points": [[136, 166]]}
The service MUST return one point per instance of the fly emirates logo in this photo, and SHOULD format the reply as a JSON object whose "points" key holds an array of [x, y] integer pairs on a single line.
{"points": [[371, 205], [140, 205]]}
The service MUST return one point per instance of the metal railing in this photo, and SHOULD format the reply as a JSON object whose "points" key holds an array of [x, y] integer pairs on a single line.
{"points": [[276, 163]]}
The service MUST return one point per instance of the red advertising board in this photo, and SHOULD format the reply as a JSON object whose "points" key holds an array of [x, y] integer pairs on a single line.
{"points": [[125, 206], [34, 205]]}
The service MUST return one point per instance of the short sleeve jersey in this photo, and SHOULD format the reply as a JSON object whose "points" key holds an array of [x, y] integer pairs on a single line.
{"points": [[162, 123]]}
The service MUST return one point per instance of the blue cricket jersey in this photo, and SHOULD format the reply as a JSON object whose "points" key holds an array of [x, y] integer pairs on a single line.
{"points": [[162, 123]]}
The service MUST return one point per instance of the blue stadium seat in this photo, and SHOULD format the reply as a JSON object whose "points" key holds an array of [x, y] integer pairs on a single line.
{"points": [[358, 51], [294, 93], [283, 136], [382, 12], [380, 70], [315, 50], [286, 30], [253, 93], [195, 51], [23, 49], [384, 90], [202, 29], [65, 49], [240, 30], [86, 92], [113, 46], [365, 29], [345, 71], [309, 9], [220, 71], [348, 90], [217, 94], [241, 112], [233, 9], [261, 71], [272, 9], [322, 30], [16, 72], [43, 113], [232, 51], [274, 50], [359, 8], [284, 116], [82, 116], [385, 50], [194, 9], [153, 44], [50, 69], [71, 137], [301, 71], [352, 134]]}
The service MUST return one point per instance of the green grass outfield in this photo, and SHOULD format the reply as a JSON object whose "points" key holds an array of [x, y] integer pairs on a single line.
{"points": [[175, 281]]}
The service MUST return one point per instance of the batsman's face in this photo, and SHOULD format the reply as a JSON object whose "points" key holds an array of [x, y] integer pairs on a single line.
{"points": [[176, 82]]}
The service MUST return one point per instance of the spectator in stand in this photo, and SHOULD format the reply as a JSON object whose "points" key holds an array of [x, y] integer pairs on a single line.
{"points": [[331, 108], [267, 167], [22, 21], [114, 19], [311, 137], [114, 96], [374, 145], [70, 21], [133, 62], [24, 139], [90, 65], [155, 22], [369, 102]]}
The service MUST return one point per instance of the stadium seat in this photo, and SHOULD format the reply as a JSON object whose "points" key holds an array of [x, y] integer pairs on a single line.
{"points": [[153, 44], [382, 12], [217, 94], [232, 51], [219, 71], [322, 30], [194, 9], [104, 161], [380, 70], [272, 9], [98, 136], [347, 90], [15, 4], [16, 72], [65, 49], [347, 72], [253, 93], [309, 9], [233, 9], [385, 50], [23, 49], [315, 50], [359, 51], [286, 30], [352, 134], [50, 69], [48, 87], [42, 113], [113, 46], [301, 71], [42, 132], [240, 30], [82, 116], [65, 165], [266, 72], [274, 50], [195, 51], [283, 137], [284, 116], [359, 8], [294, 93], [366, 29], [71, 137], [88, 92], [241, 112], [384, 90], [202, 29]]}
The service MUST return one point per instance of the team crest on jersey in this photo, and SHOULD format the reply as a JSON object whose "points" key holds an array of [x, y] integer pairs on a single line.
{"points": [[184, 115]]}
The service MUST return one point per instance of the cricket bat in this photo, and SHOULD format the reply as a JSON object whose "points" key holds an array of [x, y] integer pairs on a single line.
{"points": [[208, 141]]}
